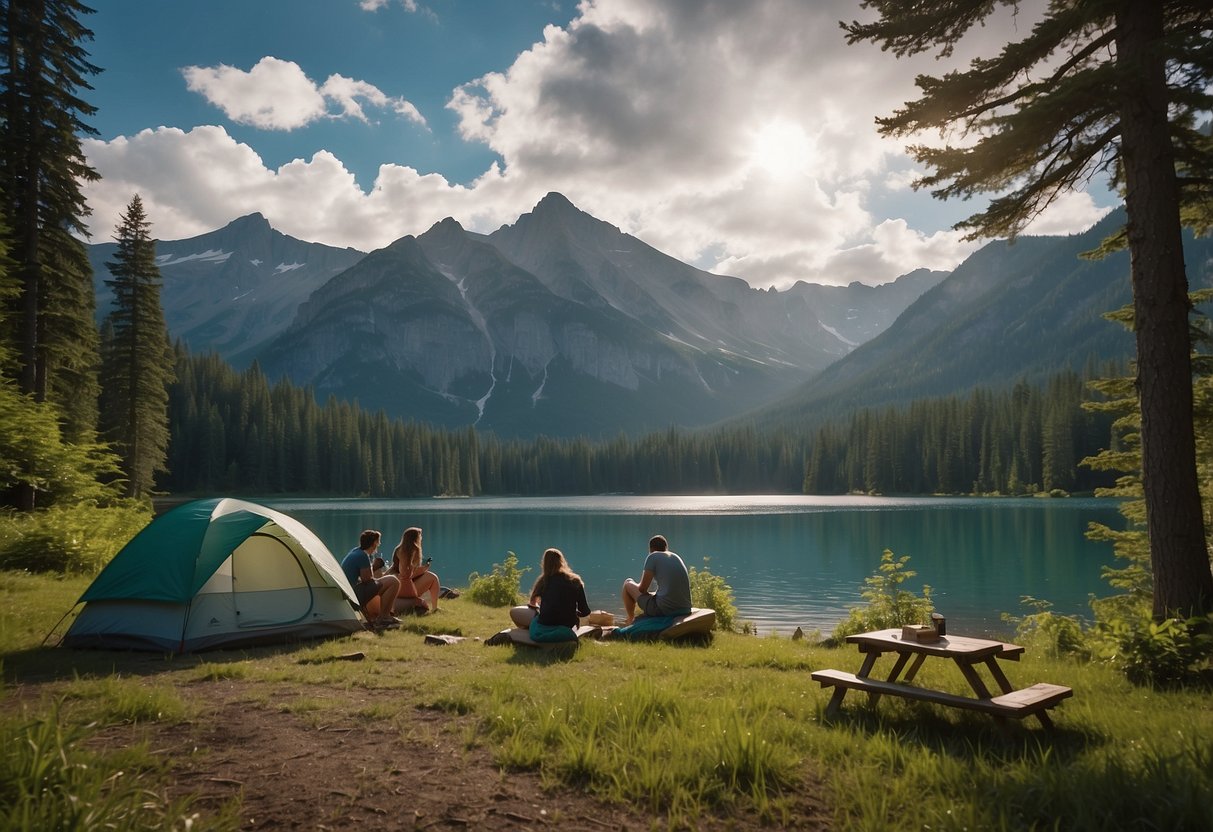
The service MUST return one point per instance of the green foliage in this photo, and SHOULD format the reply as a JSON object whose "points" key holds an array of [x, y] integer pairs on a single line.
{"points": [[692, 736], [1125, 634], [136, 361], [228, 434], [648, 743], [499, 588], [34, 455], [711, 592], [50, 781], [74, 540], [888, 605], [115, 699], [1173, 651], [1024, 440], [1056, 635], [43, 169]]}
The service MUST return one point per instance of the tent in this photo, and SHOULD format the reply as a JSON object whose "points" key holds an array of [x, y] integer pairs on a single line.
{"points": [[216, 573]]}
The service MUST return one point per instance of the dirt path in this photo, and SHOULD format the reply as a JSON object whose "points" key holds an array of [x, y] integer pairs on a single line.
{"points": [[298, 773]]}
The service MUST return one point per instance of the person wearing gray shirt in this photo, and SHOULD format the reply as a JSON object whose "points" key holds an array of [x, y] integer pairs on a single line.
{"points": [[673, 595]]}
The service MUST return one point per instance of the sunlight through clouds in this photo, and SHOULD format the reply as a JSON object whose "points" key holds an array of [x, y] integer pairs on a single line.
{"points": [[737, 136]]}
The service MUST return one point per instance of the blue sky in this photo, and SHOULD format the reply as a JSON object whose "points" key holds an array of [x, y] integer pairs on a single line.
{"points": [[734, 135], [143, 46]]}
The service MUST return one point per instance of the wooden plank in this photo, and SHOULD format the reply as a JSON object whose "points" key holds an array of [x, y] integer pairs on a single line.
{"points": [[1036, 696], [1017, 704], [697, 622], [951, 645]]}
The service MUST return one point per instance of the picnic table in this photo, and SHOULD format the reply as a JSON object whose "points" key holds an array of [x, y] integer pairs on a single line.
{"points": [[967, 653]]}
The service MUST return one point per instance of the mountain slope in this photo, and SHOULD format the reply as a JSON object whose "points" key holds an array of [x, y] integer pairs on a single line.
{"points": [[593, 263], [1010, 311], [443, 328], [233, 289]]}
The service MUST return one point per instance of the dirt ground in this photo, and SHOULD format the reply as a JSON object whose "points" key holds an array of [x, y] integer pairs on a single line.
{"points": [[295, 773]]}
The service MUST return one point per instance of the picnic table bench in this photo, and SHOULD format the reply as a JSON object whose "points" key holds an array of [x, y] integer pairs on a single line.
{"points": [[967, 653]]}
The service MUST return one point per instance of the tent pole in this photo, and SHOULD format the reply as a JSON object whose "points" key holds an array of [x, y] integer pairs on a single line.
{"points": [[185, 623], [57, 623]]}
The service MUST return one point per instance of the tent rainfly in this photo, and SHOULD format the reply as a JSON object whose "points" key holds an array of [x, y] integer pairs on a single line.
{"points": [[216, 573]]}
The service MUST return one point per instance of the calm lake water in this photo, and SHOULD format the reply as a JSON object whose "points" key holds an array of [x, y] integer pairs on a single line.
{"points": [[791, 560]]}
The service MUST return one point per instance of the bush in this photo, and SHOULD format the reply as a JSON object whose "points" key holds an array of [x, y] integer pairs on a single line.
{"points": [[711, 591], [1057, 635], [1168, 653], [887, 604], [500, 587], [69, 540]]}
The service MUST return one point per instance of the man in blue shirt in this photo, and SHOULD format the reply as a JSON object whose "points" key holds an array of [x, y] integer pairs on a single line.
{"points": [[363, 576], [673, 596]]}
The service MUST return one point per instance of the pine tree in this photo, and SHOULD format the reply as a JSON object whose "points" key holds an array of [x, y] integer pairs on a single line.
{"points": [[1098, 86], [50, 325], [137, 362]]}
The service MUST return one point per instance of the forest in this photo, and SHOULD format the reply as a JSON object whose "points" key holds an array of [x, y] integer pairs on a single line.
{"points": [[236, 432]]}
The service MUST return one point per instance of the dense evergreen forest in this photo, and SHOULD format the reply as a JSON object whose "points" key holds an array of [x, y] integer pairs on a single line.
{"points": [[236, 432]]}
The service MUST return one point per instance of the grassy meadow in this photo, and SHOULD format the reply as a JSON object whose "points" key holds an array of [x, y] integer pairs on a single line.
{"points": [[736, 725]]}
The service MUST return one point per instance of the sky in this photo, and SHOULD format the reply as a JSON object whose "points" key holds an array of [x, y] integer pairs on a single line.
{"points": [[736, 135]]}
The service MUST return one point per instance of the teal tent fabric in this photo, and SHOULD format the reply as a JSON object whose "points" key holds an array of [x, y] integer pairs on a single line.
{"points": [[178, 552], [149, 566], [216, 573]]}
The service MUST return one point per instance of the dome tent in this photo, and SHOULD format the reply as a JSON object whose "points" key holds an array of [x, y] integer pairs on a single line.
{"points": [[216, 573]]}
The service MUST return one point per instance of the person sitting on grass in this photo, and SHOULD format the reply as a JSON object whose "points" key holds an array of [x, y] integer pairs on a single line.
{"points": [[673, 596], [559, 594], [365, 577], [416, 579]]}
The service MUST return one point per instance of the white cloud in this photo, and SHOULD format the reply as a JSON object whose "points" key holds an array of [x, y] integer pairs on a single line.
{"points": [[376, 5], [273, 95], [278, 95], [739, 136], [1069, 213], [346, 92], [196, 181]]}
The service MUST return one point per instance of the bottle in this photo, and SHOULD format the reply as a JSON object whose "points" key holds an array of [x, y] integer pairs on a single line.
{"points": [[940, 623]]}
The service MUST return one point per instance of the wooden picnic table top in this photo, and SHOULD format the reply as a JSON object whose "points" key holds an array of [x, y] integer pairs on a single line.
{"points": [[964, 647]]}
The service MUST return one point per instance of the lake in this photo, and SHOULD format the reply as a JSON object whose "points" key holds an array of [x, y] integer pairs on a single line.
{"points": [[791, 560]]}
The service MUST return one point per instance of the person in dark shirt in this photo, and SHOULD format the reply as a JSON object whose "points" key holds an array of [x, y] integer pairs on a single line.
{"points": [[559, 593]]}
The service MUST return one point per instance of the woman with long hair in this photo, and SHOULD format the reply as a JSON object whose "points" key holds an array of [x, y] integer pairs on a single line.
{"points": [[416, 579], [560, 595]]}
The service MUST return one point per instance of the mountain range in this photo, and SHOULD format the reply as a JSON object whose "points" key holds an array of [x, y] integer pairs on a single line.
{"points": [[1012, 310], [558, 323], [561, 324], [232, 290]]}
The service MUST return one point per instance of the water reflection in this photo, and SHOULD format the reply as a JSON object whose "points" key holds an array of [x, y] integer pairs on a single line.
{"points": [[792, 561]]}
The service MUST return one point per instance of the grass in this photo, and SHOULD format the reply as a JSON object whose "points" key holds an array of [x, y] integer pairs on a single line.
{"points": [[735, 726]]}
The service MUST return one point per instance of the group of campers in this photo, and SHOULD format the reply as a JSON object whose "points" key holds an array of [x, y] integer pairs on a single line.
{"points": [[408, 585]]}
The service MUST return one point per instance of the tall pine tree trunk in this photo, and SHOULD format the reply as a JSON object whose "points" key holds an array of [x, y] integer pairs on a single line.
{"points": [[1180, 561]]}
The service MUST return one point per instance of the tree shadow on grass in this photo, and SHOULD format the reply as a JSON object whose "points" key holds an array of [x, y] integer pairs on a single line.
{"points": [[37, 665], [1070, 778]]}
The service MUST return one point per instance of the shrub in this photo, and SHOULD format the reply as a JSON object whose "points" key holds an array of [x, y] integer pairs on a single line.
{"points": [[711, 591], [499, 588], [887, 604], [1169, 652], [1057, 635], [76, 540]]}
